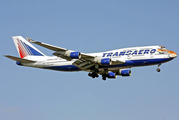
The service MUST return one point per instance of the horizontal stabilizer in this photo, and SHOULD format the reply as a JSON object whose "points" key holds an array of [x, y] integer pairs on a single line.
{"points": [[19, 59]]}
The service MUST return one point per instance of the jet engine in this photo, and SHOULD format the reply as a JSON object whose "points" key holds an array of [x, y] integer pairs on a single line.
{"points": [[69, 53], [111, 75], [103, 61], [124, 72], [74, 55]]}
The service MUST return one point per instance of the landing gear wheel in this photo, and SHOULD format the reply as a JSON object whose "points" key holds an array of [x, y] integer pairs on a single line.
{"points": [[89, 74], [158, 69], [104, 78], [93, 74]]}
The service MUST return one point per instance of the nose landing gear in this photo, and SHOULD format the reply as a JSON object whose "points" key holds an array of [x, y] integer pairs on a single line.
{"points": [[158, 69]]}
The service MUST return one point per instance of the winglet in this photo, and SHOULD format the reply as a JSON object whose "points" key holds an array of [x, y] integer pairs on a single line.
{"points": [[31, 40]]}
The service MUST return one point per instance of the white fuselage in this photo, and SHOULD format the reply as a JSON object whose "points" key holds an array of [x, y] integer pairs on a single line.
{"points": [[133, 57]]}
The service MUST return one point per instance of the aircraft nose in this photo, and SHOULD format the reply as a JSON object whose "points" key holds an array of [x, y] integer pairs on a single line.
{"points": [[172, 54]]}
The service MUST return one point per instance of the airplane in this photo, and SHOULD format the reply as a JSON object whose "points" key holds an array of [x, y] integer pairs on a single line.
{"points": [[108, 64]]}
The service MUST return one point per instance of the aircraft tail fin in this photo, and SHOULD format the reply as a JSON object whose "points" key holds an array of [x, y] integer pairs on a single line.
{"points": [[24, 48]]}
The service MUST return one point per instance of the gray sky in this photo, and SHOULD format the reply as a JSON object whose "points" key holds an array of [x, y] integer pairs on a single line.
{"points": [[89, 26]]}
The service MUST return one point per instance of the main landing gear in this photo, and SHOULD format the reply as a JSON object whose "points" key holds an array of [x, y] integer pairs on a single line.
{"points": [[158, 69], [104, 76], [93, 74]]}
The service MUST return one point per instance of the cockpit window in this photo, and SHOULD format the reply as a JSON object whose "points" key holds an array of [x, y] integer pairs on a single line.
{"points": [[163, 50]]}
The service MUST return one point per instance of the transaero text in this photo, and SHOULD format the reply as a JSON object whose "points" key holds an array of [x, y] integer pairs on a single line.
{"points": [[129, 52]]}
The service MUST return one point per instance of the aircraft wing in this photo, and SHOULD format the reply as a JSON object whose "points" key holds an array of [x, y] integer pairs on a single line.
{"points": [[84, 61], [51, 47], [19, 59], [59, 51]]}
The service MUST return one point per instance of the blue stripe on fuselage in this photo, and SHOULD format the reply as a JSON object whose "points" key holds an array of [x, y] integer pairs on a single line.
{"points": [[64, 68], [148, 61], [143, 62]]}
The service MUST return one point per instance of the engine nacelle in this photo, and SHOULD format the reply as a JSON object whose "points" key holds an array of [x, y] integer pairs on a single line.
{"points": [[73, 55], [111, 75], [106, 61], [124, 72], [103, 61]]}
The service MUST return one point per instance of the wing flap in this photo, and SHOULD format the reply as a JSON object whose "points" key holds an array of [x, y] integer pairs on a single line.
{"points": [[19, 59], [82, 64]]}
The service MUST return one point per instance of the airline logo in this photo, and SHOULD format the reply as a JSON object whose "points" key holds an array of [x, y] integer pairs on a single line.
{"points": [[25, 50], [130, 52]]}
